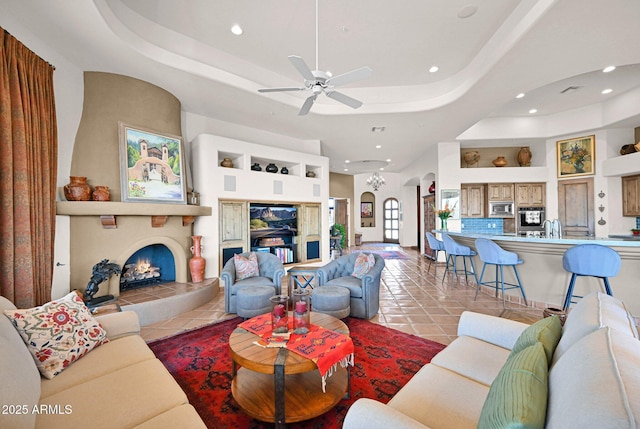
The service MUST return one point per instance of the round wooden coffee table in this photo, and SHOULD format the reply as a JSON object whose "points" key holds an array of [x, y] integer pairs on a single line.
{"points": [[279, 386]]}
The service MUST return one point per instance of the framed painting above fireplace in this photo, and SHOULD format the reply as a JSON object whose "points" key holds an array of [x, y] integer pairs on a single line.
{"points": [[152, 166]]}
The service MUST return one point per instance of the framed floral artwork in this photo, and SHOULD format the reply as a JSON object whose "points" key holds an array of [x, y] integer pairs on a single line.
{"points": [[366, 209], [576, 157], [151, 166]]}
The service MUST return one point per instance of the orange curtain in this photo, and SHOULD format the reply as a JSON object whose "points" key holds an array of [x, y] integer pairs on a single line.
{"points": [[29, 148]]}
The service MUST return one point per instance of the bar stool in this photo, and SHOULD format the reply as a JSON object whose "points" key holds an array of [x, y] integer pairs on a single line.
{"points": [[454, 250], [492, 254], [592, 260], [436, 246]]}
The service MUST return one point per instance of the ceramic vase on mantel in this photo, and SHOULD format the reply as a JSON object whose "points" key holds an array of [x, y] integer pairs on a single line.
{"points": [[101, 193], [499, 161], [197, 263], [77, 189]]}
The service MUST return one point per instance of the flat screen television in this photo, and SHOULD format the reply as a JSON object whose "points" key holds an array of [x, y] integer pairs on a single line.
{"points": [[272, 220]]}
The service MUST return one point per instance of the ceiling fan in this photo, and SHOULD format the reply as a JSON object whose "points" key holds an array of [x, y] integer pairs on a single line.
{"points": [[318, 81]]}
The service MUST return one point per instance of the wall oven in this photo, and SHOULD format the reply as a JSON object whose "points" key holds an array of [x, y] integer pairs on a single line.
{"points": [[530, 219]]}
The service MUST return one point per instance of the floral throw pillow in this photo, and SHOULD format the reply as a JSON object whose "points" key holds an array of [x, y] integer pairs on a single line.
{"points": [[364, 262], [246, 266], [58, 333]]}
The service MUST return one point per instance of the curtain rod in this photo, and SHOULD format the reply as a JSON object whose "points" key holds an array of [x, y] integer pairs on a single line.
{"points": [[50, 65]]}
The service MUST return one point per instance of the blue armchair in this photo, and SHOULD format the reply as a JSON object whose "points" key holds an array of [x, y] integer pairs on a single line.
{"points": [[365, 292], [271, 273]]}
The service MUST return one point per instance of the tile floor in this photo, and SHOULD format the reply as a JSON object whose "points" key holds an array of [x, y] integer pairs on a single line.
{"points": [[412, 300]]}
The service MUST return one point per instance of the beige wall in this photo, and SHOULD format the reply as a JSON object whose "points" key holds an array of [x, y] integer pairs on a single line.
{"points": [[341, 186]]}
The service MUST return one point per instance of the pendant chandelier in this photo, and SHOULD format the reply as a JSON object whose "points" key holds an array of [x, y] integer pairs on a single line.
{"points": [[375, 181]]}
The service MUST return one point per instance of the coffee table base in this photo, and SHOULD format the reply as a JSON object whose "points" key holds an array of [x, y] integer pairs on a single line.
{"points": [[304, 399]]}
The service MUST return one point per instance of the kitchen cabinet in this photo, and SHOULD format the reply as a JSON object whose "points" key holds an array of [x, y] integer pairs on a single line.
{"points": [[530, 194], [500, 192], [631, 195], [472, 200]]}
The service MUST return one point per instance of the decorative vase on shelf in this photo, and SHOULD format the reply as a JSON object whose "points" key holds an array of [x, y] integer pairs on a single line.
{"points": [[272, 168], [524, 157], [284, 170], [256, 167], [310, 173], [499, 161], [197, 263], [101, 193], [471, 157], [78, 189], [226, 162], [432, 188]]}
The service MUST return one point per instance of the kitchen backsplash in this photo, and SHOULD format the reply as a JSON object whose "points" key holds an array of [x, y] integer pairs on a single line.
{"points": [[485, 225]]}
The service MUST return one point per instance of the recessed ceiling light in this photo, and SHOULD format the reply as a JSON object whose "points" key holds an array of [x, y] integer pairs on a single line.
{"points": [[433, 69], [346, 169], [346, 161], [607, 91], [609, 69], [378, 146], [377, 129], [237, 30], [533, 111], [467, 11], [388, 159], [520, 95], [381, 168]]}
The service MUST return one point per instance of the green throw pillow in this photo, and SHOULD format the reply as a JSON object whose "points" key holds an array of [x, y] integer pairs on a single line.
{"points": [[547, 331], [518, 395]]}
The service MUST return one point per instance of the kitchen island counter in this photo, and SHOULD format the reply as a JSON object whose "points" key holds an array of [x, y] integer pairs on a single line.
{"points": [[544, 279]]}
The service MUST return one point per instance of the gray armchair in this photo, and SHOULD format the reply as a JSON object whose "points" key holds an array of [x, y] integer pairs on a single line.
{"points": [[365, 292], [271, 273]]}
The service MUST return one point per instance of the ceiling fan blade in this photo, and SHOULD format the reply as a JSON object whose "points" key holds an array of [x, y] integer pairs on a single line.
{"points": [[302, 67], [352, 76], [344, 99], [280, 89], [307, 105]]}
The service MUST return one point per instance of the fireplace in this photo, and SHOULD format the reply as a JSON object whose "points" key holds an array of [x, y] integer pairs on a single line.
{"points": [[149, 266]]}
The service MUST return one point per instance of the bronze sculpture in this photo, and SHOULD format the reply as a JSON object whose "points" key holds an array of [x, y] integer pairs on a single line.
{"points": [[101, 272]]}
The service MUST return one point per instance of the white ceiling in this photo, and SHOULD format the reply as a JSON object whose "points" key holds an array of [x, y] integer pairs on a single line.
{"points": [[539, 47]]}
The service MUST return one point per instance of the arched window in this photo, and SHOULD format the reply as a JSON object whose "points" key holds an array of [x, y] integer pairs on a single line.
{"points": [[391, 221]]}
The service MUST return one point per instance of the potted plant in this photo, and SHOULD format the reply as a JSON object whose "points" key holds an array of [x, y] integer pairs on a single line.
{"points": [[635, 231]]}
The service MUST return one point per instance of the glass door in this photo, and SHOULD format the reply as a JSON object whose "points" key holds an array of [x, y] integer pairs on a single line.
{"points": [[391, 221]]}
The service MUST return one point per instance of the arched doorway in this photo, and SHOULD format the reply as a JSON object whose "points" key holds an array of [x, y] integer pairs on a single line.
{"points": [[391, 221]]}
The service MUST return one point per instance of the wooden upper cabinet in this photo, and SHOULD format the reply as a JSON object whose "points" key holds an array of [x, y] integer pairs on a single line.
{"points": [[631, 196], [530, 194], [472, 200], [500, 192]]}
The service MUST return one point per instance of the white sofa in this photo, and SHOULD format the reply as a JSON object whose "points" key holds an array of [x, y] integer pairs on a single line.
{"points": [[593, 377], [117, 385]]}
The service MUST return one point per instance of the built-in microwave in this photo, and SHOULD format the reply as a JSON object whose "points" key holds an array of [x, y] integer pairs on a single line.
{"points": [[501, 208]]}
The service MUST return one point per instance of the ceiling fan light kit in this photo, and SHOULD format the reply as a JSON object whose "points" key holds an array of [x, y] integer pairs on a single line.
{"points": [[319, 81]]}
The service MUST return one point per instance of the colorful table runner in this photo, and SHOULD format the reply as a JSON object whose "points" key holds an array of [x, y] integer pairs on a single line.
{"points": [[326, 348]]}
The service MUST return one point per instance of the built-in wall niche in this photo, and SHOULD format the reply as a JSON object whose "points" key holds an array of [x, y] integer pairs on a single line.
{"points": [[292, 169], [367, 210], [236, 158], [483, 157]]}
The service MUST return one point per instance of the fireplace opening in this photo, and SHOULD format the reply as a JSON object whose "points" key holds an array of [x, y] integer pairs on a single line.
{"points": [[149, 266]]}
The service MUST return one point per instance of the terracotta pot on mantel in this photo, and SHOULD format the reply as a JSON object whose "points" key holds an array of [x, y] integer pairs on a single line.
{"points": [[101, 193], [78, 189]]}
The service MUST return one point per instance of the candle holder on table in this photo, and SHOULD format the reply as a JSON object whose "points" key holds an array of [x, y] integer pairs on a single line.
{"points": [[279, 314], [301, 311]]}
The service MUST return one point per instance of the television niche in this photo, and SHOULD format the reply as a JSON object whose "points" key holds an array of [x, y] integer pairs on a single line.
{"points": [[272, 228]]}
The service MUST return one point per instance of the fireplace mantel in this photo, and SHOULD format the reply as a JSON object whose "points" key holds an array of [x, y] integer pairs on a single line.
{"points": [[108, 210]]}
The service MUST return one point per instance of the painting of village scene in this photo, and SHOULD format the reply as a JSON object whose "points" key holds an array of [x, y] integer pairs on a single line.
{"points": [[152, 166]]}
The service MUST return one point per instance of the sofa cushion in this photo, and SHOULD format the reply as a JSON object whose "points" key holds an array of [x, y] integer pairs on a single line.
{"points": [[472, 358], [177, 417], [120, 399], [596, 383], [439, 398], [109, 357], [518, 395], [58, 333], [547, 331], [246, 267], [591, 313], [363, 263]]}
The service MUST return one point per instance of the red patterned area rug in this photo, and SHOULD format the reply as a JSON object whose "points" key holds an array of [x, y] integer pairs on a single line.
{"points": [[385, 359]]}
